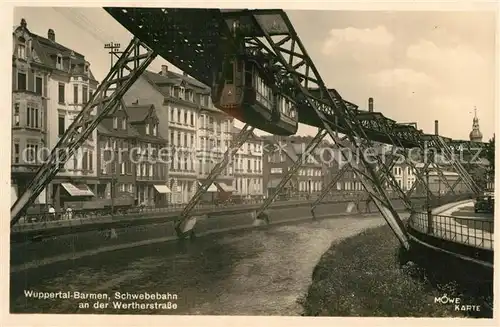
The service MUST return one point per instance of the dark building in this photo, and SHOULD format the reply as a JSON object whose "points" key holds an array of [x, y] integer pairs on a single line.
{"points": [[151, 155], [116, 170], [279, 157]]}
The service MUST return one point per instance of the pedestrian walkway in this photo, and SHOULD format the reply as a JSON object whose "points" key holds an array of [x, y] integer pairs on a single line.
{"points": [[474, 231]]}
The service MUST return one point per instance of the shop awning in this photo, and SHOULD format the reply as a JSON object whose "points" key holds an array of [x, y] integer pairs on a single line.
{"points": [[224, 187], [162, 188], [211, 188], [77, 190]]}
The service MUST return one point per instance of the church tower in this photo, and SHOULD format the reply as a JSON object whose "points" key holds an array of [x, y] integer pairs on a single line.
{"points": [[475, 135]]}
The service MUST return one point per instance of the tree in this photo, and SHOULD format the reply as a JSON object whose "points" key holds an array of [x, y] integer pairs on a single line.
{"points": [[489, 154]]}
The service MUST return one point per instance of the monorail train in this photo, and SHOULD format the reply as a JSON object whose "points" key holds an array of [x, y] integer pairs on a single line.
{"points": [[244, 92]]}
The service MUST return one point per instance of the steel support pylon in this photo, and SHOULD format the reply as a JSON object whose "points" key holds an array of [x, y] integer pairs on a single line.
{"points": [[183, 223], [331, 104], [259, 213], [328, 188], [462, 172], [131, 64]]}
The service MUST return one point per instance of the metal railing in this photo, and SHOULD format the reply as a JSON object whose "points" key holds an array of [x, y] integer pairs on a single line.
{"points": [[204, 208], [476, 232]]}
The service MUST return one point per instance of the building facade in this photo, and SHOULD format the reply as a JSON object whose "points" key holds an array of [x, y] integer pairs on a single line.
{"points": [[248, 168], [116, 169], [281, 153], [196, 131], [52, 84], [29, 109], [150, 156]]}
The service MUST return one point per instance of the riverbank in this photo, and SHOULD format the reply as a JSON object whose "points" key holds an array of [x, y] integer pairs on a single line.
{"points": [[362, 276]]}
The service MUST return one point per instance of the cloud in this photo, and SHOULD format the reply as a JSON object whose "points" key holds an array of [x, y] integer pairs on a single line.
{"points": [[402, 77], [459, 64], [378, 36]]}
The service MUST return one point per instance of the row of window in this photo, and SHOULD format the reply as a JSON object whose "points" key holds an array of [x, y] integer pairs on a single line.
{"points": [[61, 96], [256, 165], [181, 116], [33, 116], [23, 85], [76, 92], [310, 172], [122, 187], [399, 171], [86, 163], [310, 186], [189, 95], [31, 155], [62, 126], [250, 185]]}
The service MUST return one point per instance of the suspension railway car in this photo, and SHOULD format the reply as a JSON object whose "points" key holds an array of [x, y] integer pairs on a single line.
{"points": [[244, 92]]}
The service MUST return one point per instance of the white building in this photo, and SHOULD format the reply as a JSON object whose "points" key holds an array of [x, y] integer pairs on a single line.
{"points": [[67, 89], [248, 168], [196, 131]]}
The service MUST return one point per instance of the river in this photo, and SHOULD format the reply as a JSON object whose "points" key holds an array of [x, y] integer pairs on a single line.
{"points": [[253, 272]]}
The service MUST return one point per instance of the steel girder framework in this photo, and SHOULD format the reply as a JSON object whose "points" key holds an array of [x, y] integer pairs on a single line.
{"points": [[289, 54], [438, 142], [198, 49], [260, 213], [183, 220], [131, 64]]}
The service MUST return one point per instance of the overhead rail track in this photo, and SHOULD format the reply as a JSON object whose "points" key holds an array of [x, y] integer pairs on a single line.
{"points": [[196, 41]]}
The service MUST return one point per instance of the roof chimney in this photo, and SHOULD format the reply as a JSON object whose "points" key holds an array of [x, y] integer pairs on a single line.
{"points": [[436, 127], [164, 70], [370, 104], [51, 35], [136, 101]]}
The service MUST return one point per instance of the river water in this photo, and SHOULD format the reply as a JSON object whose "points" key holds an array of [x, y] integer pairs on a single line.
{"points": [[255, 272]]}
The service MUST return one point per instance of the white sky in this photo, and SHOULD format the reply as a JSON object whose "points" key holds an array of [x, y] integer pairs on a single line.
{"points": [[418, 66]]}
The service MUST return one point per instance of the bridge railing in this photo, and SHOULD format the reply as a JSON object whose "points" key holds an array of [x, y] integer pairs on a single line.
{"points": [[476, 232], [173, 208]]}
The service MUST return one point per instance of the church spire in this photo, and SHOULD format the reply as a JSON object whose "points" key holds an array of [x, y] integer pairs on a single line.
{"points": [[475, 135]]}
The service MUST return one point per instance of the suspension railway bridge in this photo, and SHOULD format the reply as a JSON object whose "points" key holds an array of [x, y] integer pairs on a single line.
{"points": [[261, 74]]}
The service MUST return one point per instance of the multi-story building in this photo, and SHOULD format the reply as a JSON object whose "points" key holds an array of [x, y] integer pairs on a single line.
{"points": [[116, 169], [248, 168], [29, 109], [192, 125], [214, 137], [150, 156], [59, 83], [280, 155]]}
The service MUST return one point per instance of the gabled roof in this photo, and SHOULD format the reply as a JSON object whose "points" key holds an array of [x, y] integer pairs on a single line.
{"points": [[163, 82], [139, 112], [46, 50]]}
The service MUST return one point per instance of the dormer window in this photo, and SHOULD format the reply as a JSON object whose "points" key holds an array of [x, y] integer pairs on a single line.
{"points": [[147, 129], [86, 68], [155, 127], [181, 92], [124, 123], [59, 62], [115, 122], [21, 51]]}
